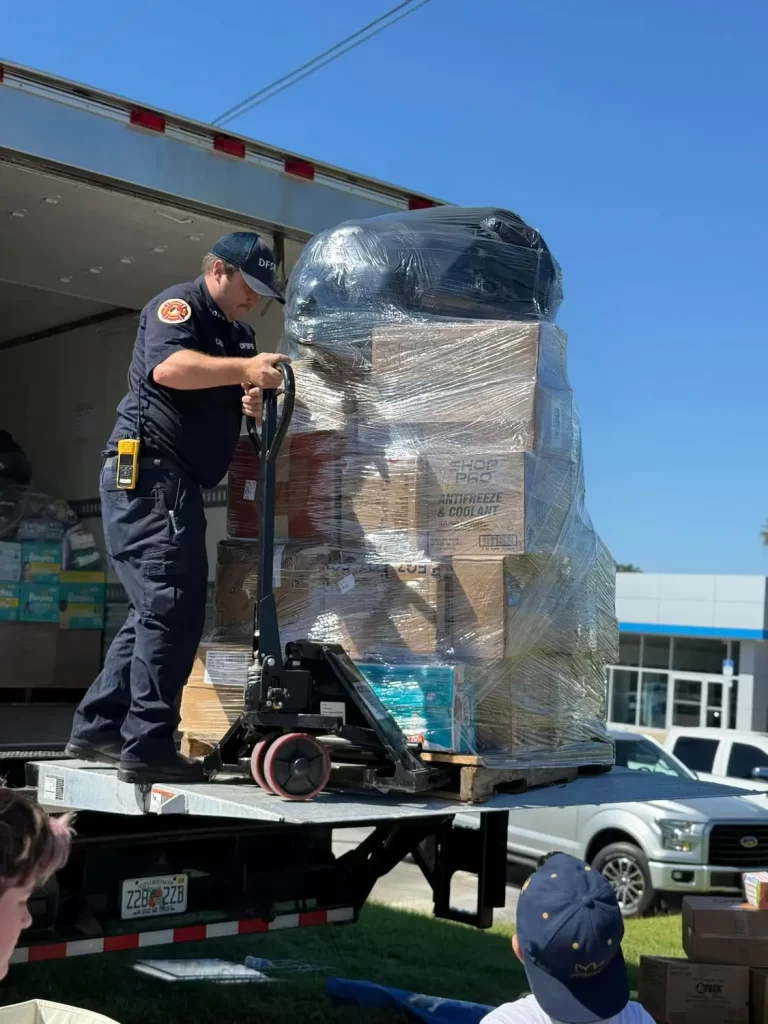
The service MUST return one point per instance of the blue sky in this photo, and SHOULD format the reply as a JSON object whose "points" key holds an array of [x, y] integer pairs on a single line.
{"points": [[632, 134]]}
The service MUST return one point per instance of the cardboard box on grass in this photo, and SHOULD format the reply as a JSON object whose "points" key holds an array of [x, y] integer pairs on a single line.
{"points": [[42, 1011], [679, 992], [758, 996], [719, 930]]}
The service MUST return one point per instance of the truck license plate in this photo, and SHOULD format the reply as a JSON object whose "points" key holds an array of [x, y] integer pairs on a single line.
{"points": [[153, 897]]}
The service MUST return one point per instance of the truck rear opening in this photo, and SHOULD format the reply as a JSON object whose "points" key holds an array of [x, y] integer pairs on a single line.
{"points": [[77, 263]]}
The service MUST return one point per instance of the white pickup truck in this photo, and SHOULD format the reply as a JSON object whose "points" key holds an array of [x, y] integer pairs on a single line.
{"points": [[739, 758], [657, 850]]}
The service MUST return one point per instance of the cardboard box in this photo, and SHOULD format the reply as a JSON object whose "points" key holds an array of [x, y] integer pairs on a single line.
{"points": [[213, 698], [39, 602], [78, 658], [391, 611], [484, 504], [718, 930], [507, 606], [27, 654], [41, 562], [383, 504], [10, 562], [504, 373], [82, 597], [307, 489], [756, 889], [298, 582], [679, 992], [10, 600], [758, 996]]}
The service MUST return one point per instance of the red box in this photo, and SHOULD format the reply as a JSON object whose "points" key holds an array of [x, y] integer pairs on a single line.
{"points": [[308, 479]]}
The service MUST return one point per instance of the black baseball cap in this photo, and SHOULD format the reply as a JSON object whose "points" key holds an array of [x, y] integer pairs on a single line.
{"points": [[570, 928], [253, 258]]}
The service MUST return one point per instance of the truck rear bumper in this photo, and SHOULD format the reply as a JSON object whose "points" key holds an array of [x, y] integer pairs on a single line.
{"points": [[670, 877]]}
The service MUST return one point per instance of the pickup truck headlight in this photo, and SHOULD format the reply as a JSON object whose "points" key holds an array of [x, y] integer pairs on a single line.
{"points": [[677, 835]]}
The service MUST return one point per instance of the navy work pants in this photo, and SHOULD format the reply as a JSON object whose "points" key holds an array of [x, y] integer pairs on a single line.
{"points": [[155, 539]]}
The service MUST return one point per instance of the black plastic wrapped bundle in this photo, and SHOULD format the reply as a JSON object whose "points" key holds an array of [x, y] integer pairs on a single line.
{"points": [[453, 262]]}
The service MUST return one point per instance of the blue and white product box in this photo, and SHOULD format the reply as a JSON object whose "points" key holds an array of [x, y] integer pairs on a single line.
{"points": [[432, 704], [10, 561]]}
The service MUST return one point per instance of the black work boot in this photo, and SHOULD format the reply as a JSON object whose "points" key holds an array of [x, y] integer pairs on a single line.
{"points": [[180, 769], [104, 753]]}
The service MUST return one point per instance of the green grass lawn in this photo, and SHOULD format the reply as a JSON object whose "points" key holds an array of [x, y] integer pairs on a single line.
{"points": [[393, 947]]}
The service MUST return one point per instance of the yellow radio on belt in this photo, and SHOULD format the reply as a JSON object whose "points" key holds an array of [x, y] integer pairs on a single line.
{"points": [[127, 463]]}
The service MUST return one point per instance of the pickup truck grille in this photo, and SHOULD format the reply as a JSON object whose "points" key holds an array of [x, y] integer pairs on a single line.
{"points": [[732, 846]]}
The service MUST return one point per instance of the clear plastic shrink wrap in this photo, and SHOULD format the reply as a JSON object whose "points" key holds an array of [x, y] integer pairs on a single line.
{"points": [[430, 500]]}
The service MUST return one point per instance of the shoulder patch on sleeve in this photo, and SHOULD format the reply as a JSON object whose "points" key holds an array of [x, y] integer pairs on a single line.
{"points": [[174, 311]]}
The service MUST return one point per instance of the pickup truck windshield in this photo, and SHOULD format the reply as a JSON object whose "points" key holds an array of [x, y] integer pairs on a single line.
{"points": [[640, 755]]}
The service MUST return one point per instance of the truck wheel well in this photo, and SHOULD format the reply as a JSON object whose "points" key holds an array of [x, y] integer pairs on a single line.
{"points": [[606, 838]]}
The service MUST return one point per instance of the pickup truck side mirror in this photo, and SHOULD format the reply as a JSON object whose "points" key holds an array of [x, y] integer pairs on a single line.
{"points": [[760, 774]]}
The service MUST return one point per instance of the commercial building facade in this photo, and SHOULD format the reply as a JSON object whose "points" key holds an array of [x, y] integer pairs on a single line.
{"points": [[693, 652]]}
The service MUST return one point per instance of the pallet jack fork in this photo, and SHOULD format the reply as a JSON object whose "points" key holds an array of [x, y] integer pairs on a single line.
{"points": [[310, 718]]}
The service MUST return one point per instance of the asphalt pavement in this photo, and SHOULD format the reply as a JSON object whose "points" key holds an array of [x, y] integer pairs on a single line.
{"points": [[406, 888]]}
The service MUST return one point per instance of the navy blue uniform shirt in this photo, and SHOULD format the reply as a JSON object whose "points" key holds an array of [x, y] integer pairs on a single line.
{"points": [[198, 430]]}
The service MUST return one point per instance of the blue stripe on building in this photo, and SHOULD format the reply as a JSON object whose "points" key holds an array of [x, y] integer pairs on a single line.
{"points": [[713, 632]]}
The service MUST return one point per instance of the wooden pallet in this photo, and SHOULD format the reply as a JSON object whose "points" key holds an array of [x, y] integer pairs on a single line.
{"points": [[471, 781], [194, 746], [474, 783]]}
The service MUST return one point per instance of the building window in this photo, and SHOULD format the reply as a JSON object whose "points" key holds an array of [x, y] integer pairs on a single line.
{"points": [[629, 649], [656, 652], [693, 655], [624, 699], [686, 708]]}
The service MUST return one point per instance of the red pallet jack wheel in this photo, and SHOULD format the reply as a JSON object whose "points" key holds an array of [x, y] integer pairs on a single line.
{"points": [[257, 763], [296, 766]]}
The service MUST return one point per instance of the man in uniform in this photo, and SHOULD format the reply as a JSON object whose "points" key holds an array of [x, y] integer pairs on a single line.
{"points": [[193, 374]]}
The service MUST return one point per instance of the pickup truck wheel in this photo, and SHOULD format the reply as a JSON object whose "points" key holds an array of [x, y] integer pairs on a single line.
{"points": [[625, 867]]}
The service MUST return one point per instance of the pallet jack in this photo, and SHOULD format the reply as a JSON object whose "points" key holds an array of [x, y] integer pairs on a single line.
{"points": [[310, 718]]}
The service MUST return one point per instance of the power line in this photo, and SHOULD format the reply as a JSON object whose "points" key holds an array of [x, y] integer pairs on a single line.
{"points": [[330, 55]]}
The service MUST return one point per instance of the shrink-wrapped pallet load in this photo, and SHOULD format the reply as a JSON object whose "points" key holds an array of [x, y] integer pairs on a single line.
{"points": [[431, 500]]}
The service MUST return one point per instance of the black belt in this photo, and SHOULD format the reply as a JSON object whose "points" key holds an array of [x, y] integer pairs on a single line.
{"points": [[145, 462]]}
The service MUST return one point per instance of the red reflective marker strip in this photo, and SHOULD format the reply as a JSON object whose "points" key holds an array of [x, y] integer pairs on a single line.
{"points": [[192, 933], [415, 203], [299, 168], [189, 933], [56, 951], [228, 145], [117, 943], [252, 927], [313, 917], [147, 119]]}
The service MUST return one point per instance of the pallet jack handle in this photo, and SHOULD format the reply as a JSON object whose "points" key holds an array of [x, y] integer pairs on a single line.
{"points": [[273, 431]]}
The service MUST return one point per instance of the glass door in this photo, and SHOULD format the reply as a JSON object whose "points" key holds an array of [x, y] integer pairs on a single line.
{"points": [[713, 713], [653, 700]]}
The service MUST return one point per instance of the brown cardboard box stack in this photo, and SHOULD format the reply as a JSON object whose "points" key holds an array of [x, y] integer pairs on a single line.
{"points": [[725, 978]]}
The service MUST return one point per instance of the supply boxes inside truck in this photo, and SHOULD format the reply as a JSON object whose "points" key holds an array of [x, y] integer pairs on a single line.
{"points": [[52, 591], [430, 496]]}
